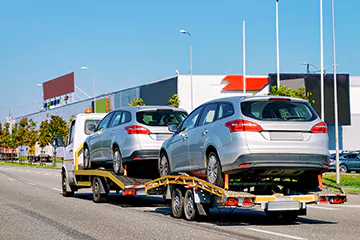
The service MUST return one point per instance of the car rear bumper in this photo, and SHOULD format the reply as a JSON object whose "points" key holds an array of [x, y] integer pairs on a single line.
{"points": [[142, 155], [278, 164]]}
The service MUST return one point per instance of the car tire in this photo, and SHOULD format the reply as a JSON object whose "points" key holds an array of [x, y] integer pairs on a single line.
{"points": [[177, 203], [164, 166], [213, 170], [190, 209], [65, 193], [87, 160], [117, 162], [343, 168]]}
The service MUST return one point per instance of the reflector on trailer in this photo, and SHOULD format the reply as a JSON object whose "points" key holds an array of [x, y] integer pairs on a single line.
{"points": [[231, 201], [129, 192], [247, 202], [323, 200], [336, 200]]}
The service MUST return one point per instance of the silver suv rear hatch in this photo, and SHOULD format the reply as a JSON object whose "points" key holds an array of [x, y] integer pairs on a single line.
{"points": [[283, 125]]}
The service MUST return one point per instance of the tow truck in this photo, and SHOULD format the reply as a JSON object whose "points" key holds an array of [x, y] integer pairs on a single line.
{"points": [[191, 197]]}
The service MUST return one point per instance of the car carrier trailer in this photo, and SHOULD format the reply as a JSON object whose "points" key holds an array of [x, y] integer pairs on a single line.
{"points": [[191, 197]]}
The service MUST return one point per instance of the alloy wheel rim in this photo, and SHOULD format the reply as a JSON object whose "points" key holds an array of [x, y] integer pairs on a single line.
{"points": [[190, 206], [64, 183], [116, 161], [176, 204], [164, 167], [212, 169], [96, 188], [86, 158]]}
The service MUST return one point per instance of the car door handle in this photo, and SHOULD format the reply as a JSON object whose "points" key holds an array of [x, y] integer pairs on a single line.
{"points": [[184, 136], [205, 132], [112, 132]]}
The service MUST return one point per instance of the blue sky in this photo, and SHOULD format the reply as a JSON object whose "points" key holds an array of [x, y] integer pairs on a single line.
{"points": [[127, 43]]}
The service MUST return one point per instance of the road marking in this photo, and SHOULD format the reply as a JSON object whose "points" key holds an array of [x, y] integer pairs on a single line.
{"points": [[47, 174], [325, 208], [11, 179], [274, 233], [349, 206], [32, 184], [57, 189]]}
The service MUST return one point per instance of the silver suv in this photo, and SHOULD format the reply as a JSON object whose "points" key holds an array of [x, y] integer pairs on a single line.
{"points": [[130, 134], [252, 137]]}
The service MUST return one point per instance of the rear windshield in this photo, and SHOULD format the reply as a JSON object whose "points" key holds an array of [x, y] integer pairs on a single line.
{"points": [[278, 111], [160, 118]]}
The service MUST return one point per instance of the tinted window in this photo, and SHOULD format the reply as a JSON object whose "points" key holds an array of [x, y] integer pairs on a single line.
{"points": [[278, 110], [225, 110], [115, 121], [126, 117], [160, 118], [190, 121], [104, 123], [87, 123], [209, 114]]}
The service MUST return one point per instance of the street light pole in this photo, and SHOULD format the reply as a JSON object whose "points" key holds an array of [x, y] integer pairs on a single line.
{"points": [[277, 46], [335, 98], [191, 77], [244, 59], [85, 68], [322, 62]]}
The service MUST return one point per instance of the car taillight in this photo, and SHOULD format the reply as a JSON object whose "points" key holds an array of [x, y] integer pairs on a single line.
{"points": [[332, 161], [319, 128], [243, 126], [134, 129]]}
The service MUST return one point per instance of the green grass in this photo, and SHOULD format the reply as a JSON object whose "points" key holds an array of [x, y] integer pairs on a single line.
{"points": [[26, 165], [346, 180], [352, 190]]}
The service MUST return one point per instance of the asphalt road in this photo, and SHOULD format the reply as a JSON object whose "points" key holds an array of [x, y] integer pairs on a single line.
{"points": [[32, 207]]}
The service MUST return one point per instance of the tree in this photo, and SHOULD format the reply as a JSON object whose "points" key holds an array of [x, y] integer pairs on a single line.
{"points": [[5, 136], [14, 138], [137, 102], [22, 133], [50, 130], [297, 93], [33, 136], [174, 100]]}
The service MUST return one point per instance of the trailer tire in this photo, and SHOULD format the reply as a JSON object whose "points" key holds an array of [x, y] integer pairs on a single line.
{"points": [[117, 162], [87, 160], [190, 210], [177, 203], [213, 170], [99, 189], [65, 193]]}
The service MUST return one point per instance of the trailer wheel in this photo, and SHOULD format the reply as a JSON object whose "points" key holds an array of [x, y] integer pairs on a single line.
{"points": [[177, 203], [190, 209], [117, 162], [63, 183], [86, 158], [213, 170], [99, 189]]}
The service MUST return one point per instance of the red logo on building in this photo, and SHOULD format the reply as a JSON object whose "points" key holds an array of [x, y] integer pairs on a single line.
{"points": [[235, 83]]}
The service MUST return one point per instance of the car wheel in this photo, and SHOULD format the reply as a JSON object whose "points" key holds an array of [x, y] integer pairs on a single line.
{"points": [[213, 170], [117, 162], [177, 203], [86, 158], [164, 166], [343, 169], [190, 209], [65, 193]]}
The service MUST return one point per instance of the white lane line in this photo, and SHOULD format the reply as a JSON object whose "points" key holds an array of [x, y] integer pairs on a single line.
{"points": [[47, 174], [325, 208], [32, 184], [349, 206], [57, 189], [11, 179], [276, 234]]}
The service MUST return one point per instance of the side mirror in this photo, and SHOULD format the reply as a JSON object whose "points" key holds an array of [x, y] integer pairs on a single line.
{"points": [[173, 128], [91, 128]]}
